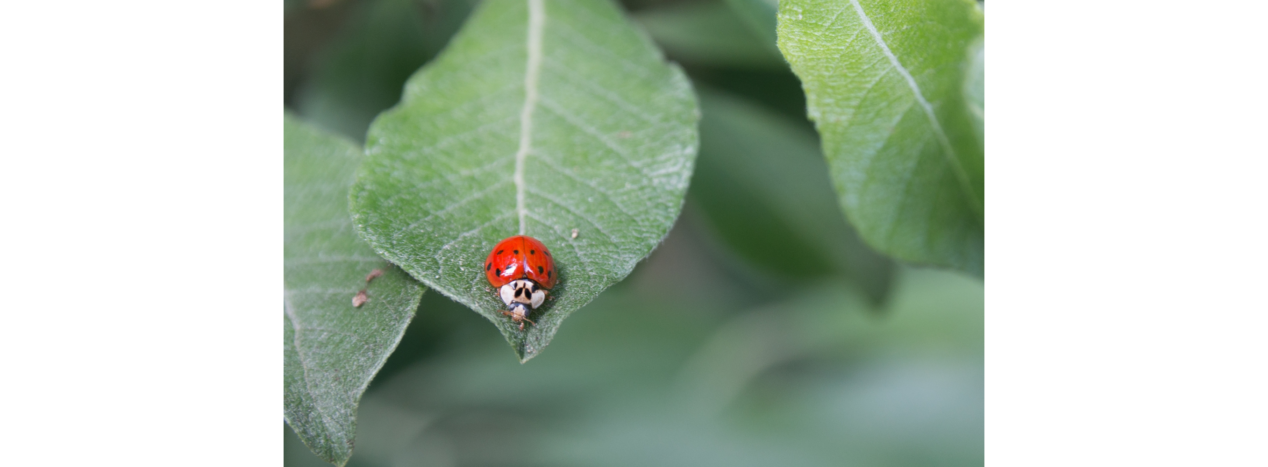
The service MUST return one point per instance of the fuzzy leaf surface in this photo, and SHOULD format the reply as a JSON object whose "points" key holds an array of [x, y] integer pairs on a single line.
{"points": [[332, 349], [540, 117], [885, 86]]}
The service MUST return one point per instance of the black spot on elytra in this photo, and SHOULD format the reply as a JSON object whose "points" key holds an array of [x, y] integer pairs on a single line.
{"points": [[497, 272], [548, 274], [517, 252], [500, 251], [540, 271], [487, 266], [532, 252]]}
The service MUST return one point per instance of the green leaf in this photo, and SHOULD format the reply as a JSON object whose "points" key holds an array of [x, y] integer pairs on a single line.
{"points": [[975, 88], [884, 84], [540, 118], [332, 348], [755, 164]]}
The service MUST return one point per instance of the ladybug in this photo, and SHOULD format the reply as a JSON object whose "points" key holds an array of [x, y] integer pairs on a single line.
{"points": [[523, 271]]}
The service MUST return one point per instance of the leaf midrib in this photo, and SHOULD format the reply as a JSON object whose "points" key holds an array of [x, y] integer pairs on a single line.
{"points": [[536, 22], [960, 173]]}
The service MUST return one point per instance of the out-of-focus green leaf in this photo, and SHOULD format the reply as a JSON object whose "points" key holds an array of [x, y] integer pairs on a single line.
{"points": [[884, 82], [541, 118], [645, 381], [710, 34], [332, 348], [763, 186], [975, 88], [363, 70], [759, 15]]}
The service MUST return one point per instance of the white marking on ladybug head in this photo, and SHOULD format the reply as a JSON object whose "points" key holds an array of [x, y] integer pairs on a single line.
{"points": [[539, 296], [508, 293], [522, 291]]}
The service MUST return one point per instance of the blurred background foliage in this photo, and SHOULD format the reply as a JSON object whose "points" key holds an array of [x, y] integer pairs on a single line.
{"points": [[762, 332]]}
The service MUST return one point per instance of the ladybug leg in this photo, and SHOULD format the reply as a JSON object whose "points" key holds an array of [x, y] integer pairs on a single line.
{"points": [[517, 318], [529, 321], [514, 318]]}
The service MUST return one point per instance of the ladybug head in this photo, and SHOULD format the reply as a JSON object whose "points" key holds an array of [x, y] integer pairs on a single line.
{"points": [[522, 293]]}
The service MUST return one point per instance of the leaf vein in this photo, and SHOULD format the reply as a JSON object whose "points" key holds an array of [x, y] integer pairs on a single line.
{"points": [[298, 230], [928, 109], [570, 174], [536, 22], [474, 196], [332, 331], [567, 238], [303, 364], [621, 153], [454, 138], [332, 259], [598, 91], [466, 234], [905, 199], [575, 213], [596, 50], [320, 291], [471, 173]]}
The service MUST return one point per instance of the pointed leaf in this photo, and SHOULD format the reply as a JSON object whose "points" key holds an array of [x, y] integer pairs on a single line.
{"points": [[884, 82], [332, 348], [540, 118]]}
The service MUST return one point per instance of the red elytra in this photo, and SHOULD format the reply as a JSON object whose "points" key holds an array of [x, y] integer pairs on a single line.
{"points": [[520, 257]]}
